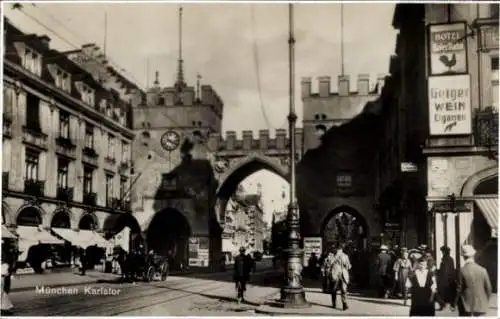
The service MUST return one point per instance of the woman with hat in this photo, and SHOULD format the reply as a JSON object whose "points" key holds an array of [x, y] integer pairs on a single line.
{"points": [[6, 304], [402, 269], [422, 285], [446, 278]]}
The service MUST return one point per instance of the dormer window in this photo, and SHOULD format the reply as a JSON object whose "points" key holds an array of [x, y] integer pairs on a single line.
{"points": [[63, 80], [88, 95], [32, 61]]}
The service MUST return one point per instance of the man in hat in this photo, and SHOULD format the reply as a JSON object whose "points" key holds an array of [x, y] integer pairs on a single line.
{"points": [[446, 276], [402, 269], [383, 270], [339, 275], [243, 265], [473, 286]]}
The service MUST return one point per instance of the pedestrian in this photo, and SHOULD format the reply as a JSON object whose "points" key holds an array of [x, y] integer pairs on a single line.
{"points": [[422, 285], [312, 265], [243, 265], [473, 286], [384, 272], [325, 272], [83, 261], [446, 279], [6, 304], [402, 268], [339, 276]]}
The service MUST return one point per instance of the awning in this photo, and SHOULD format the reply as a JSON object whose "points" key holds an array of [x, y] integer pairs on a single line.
{"points": [[82, 238], [489, 208], [6, 233], [36, 235]]}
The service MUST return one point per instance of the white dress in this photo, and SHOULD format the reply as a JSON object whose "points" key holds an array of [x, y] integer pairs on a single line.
{"points": [[6, 303]]}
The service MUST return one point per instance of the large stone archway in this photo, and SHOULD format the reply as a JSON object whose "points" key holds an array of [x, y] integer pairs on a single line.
{"points": [[240, 170], [168, 235]]}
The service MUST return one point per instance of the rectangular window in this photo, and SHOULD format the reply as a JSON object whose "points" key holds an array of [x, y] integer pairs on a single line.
{"points": [[62, 173], [109, 187], [64, 124], [123, 187], [88, 95], [111, 146], [89, 136], [8, 99], [125, 152], [494, 8], [33, 111], [88, 173], [32, 61], [32, 163], [494, 82], [344, 180], [63, 80]]}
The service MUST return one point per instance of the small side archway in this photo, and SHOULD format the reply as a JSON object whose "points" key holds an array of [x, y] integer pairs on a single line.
{"points": [[168, 235], [345, 225], [6, 214]]}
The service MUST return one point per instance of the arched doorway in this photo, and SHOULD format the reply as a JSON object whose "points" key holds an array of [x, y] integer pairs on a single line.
{"points": [[115, 223], [344, 225], [87, 222], [29, 216], [61, 220], [168, 235], [482, 233]]}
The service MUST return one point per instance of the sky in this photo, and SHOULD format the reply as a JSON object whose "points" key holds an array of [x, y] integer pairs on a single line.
{"points": [[234, 47]]}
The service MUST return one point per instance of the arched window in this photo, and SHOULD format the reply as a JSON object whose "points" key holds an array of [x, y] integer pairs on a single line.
{"points": [[323, 116], [87, 222], [29, 216], [316, 116], [146, 135], [61, 220]]}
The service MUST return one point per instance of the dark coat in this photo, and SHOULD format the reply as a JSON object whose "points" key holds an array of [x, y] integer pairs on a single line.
{"points": [[446, 279], [243, 265], [473, 289], [383, 263]]}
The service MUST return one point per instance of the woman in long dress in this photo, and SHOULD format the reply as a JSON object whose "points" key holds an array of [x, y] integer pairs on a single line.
{"points": [[7, 306], [422, 283], [402, 269]]}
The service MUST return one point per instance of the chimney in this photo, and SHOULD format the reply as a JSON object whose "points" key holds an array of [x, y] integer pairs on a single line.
{"points": [[324, 86], [363, 84], [344, 85], [380, 82], [45, 41], [305, 83]]}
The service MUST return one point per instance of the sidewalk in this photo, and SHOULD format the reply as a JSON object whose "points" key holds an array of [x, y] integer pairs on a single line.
{"points": [[320, 305]]}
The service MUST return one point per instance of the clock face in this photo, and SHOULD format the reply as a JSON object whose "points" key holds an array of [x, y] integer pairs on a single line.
{"points": [[170, 140]]}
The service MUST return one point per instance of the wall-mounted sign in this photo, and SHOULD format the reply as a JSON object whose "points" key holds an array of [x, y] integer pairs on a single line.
{"points": [[408, 167], [447, 49], [170, 140], [450, 105], [489, 38], [312, 245]]}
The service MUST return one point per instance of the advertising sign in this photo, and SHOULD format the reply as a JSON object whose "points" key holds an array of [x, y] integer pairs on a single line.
{"points": [[450, 105], [203, 251], [194, 247], [312, 245], [447, 49]]}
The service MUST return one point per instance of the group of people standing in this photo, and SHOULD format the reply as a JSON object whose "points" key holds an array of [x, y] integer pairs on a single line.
{"points": [[413, 275]]}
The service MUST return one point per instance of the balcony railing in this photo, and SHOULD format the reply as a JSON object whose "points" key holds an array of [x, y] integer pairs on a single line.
{"points": [[65, 193], [90, 155], [486, 128], [114, 203], [7, 125], [126, 205], [123, 166], [90, 199], [32, 134], [5, 180], [34, 187]]}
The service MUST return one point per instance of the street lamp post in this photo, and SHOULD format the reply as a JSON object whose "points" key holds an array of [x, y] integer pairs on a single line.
{"points": [[293, 294]]}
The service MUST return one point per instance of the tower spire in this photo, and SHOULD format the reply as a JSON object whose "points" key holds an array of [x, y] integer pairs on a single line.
{"points": [[198, 78], [157, 79], [180, 84]]}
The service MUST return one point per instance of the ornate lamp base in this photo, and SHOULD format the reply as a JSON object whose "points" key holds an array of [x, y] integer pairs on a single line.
{"points": [[293, 298]]}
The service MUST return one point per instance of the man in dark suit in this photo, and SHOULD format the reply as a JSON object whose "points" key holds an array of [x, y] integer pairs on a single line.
{"points": [[243, 265], [383, 270], [473, 286]]}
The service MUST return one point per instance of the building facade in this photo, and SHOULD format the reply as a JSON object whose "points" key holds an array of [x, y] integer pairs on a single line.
{"points": [[333, 176], [66, 140], [458, 85]]}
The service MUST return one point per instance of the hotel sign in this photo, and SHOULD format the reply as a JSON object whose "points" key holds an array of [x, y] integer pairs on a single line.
{"points": [[447, 49], [450, 105], [489, 38]]}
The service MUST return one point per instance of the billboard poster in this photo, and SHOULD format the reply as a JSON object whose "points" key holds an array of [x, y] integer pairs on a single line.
{"points": [[450, 105], [312, 245], [447, 49], [194, 247], [203, 251]]}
